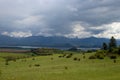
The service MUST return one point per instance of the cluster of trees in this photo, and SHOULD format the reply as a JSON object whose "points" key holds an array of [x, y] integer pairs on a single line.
{"points": [[112, 46], [109, 50]]}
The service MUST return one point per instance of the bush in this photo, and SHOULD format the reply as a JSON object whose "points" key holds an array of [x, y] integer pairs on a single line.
{"points": [[30, 65], [6, 62], [66, 67], [101, 51], [52, 58], [113, 57], [92, 57], [75, 59], [33, 58], [114, 60], [59, 56], [100, 56], [114, 50], [64, 55], [37, 65], [69, 56], [79, 59], [83, 53], [10, 58], [84, 57]]}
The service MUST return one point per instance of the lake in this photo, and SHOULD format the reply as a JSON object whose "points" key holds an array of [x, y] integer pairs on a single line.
{"points": [[34, 47]]}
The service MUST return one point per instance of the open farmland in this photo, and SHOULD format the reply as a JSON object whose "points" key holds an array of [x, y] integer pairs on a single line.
{"points": [[54, 67]]}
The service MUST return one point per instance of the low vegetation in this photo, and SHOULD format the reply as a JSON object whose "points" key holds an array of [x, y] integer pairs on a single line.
{"points": [[110, 50], [60, 68], [54, 64], [45, 51]]}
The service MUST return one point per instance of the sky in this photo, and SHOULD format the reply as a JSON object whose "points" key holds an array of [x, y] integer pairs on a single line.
{"points": [[68, 18]]}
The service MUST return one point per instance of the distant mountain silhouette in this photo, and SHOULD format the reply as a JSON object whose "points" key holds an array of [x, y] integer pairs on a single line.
{"points": [[53, 41]]}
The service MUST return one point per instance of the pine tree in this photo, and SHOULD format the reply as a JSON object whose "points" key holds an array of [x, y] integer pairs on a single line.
{"points": [[112, 43], [104, 47]]}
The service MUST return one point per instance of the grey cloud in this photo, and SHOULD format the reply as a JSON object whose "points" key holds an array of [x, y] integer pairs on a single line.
{"points": [[58, 16]]}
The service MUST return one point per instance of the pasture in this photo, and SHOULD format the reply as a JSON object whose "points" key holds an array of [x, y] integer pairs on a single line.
{"points": [[54, 67]]}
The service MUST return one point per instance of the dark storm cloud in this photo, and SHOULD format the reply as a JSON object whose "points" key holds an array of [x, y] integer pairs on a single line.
{"points": [[53, 17]]}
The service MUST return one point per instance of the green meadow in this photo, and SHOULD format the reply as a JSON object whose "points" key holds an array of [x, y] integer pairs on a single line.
{"points": [[53, 67]]}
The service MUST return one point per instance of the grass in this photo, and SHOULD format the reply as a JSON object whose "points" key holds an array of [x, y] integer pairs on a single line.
{"points": [[15, 54], [54, 68]]}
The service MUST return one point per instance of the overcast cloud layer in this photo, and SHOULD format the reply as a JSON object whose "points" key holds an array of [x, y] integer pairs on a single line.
{"points": [[70, 18]]}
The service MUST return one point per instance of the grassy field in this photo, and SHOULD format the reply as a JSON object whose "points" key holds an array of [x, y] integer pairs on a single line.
{"points": [[55, 68]]}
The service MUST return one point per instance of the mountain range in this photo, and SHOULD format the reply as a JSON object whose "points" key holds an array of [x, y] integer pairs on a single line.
{"points": [[53, 41]]}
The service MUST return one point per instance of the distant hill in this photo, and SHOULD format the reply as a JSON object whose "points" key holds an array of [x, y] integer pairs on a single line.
{"points": [[53, 41]]}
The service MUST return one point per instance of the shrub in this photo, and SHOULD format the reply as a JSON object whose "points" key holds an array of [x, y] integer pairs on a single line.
{"points": [[84, 57], [6, 62], [51, 58], [24, 60], [100, 57], [69, 56], [115, 50], [59, 56], [75, 59], [113, 57], [66, 67], [79, 59], [83, 53], [10, 58], [30, 65], [100, 54], [37, 65], [64, 55], [114, 60], [92, 57], [33, 58]]}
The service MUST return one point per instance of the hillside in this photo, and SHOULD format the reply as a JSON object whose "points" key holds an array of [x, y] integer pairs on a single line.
{"points": [[52, 41]]}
